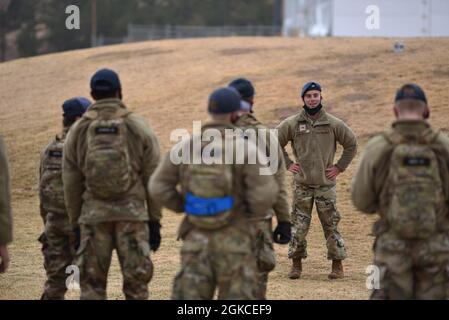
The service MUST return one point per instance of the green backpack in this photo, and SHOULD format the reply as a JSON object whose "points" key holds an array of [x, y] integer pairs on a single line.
{"points": [[414, 187], [109, 173], [208, 191], [50, 185]]}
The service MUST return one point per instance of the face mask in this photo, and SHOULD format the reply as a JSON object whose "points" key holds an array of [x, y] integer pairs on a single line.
{"points": [[313, 111]]}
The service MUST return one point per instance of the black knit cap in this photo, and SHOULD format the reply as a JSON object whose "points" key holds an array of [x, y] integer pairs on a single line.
{"points": [[411, 91], [224, 100], [310, 86], [75, 107], [105, 80], [244, 87]]}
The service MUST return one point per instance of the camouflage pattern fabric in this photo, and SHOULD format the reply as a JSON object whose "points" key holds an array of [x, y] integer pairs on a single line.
{"points": [[51, 191], [412, 269], [413, 195], [220, 259], [409, 268], [130, 239], [5, 197], [58, 251], [265, 255], [107, 147], [325, 200]]}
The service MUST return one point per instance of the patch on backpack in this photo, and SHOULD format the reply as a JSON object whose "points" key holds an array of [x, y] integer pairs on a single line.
{"points": [[416, 162], [106, 130]]}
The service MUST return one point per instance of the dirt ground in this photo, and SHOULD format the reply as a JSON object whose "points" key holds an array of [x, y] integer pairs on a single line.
{"points": [[168, 82]]}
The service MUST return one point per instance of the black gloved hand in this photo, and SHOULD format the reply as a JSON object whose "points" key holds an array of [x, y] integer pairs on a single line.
{"points": [[155, 235], [283, 232], [77, 234]]}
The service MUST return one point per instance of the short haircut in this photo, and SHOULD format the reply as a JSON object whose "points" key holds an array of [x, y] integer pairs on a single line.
{"points": [[100, 95], [410, 105]]}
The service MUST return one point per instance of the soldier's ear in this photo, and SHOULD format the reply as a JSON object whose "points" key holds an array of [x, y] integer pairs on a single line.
{"points": [[426, 113], [395, 112]]}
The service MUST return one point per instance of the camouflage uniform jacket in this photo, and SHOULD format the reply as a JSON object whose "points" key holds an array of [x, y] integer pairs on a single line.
{"points": [[254, 194], [57, 143], [369, 180], [144, 153], [5, 198], [314, 144], [281, 207]]}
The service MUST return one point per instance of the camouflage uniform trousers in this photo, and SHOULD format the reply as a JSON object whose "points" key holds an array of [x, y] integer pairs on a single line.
{"points": [[325, 199], [265, 254], [412, 269], [220, 259], [130, 239], [58, 250]]}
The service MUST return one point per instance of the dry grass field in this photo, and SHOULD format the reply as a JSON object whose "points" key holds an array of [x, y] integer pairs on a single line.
{"points": [[168, 82]]}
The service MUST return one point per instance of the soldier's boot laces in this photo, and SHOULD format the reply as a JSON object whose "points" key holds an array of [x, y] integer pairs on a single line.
{"points": [[295, 272], [337, 270]]}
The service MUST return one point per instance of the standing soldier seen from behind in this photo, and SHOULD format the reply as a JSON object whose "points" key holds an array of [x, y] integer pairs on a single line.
{"points": [[109, 156], [266, 256], [5, 209], [404, 176], [217, 197], [58, 239]]}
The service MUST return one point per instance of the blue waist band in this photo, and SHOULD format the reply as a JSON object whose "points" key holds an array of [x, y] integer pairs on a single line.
{"points": [[198, 206]]}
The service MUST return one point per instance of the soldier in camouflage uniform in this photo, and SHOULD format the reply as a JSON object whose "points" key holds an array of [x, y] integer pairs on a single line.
{"points": [[313, 135], [218, 240], [5, 209], [266, 256], [57, 239], [404, 176], [109, 156]]}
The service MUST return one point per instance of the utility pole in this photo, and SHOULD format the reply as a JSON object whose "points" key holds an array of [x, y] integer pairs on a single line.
{"points": [[278, 6], [93, 37]]}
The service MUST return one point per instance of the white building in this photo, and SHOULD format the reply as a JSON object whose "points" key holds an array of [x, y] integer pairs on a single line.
{"points": [[366, 18]]}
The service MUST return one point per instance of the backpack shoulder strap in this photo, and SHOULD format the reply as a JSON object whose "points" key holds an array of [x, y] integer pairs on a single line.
{"points": [[91, 114], [393, 137]]}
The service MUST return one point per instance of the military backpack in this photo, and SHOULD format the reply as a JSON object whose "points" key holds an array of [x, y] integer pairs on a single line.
{"points": [[50, 185], [109, 173], [414, 187], [208, 190]]}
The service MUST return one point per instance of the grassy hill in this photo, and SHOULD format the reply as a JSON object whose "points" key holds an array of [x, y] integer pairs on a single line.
{"points": [[168, 82]]}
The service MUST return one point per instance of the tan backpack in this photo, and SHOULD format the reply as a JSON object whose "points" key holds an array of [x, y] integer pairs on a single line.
{"points": [[108, 173], [208, 191], [414, 187], [50, 185]]}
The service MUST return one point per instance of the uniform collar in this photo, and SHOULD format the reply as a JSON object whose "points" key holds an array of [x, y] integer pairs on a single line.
{"points": [[410, 127], [107, 103], [217, 125], [321, 120], [61, 136], [247, 118]]}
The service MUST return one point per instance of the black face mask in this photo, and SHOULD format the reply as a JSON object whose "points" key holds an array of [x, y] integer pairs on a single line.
{"points": [[313, 111]]}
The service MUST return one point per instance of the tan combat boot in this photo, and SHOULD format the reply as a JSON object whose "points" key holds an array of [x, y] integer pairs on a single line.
{"points": [[295, 272], [337, 270]]}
